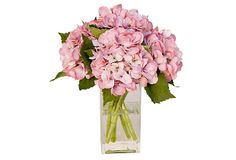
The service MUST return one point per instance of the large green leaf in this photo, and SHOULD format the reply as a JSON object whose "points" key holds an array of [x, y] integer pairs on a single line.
{"points": [[159, 91], [84, 51], [107, 96], [96, 32], [86, 83], [59, 75], [64, 36]]}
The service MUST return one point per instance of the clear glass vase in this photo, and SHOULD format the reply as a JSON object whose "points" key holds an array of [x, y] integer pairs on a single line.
{"points": [[120, 123]]}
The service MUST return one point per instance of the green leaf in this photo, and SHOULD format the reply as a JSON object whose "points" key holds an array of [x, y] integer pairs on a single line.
{"points": [[160, 91], [89, 52], [85, 58], [84, 51], [96, 32], [87, 43], [107, 96], [59, 75], [64, 36], [86, 83]]}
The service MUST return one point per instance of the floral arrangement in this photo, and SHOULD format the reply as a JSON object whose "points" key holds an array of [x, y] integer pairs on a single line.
{"points": [[119, 51]]}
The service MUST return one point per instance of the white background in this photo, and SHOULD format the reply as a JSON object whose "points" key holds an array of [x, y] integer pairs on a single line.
{"points": [[55, 121]]}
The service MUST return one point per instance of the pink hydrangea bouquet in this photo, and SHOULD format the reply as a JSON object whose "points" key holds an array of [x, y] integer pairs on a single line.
{"points": [[120, 51]]}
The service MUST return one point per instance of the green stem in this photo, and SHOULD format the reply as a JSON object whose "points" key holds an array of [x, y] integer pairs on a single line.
{"points": [[114, 117], [109, 116], [113, 137], [123, 122], [128, 123]]}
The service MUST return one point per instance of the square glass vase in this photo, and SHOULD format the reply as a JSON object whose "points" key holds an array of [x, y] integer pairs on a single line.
{"points": [[120, 123]]}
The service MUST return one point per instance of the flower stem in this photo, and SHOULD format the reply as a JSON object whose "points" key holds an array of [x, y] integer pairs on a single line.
{"points": [[109, 116], [113, 137], [117, 108], [124, 125], [114, 117], [128, 123]]}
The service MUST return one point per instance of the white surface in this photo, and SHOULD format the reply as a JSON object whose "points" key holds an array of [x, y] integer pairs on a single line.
{"points": [[46, 121]]}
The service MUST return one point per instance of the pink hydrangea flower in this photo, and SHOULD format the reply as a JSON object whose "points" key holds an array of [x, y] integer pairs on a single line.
{"points": [[70, 53], [165, 52], [120, 61], [119, 17]]}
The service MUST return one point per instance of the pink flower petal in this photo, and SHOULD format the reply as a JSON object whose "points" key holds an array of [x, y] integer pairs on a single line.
{"points": [[103, 11], [118, 90], [126, 79]]}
